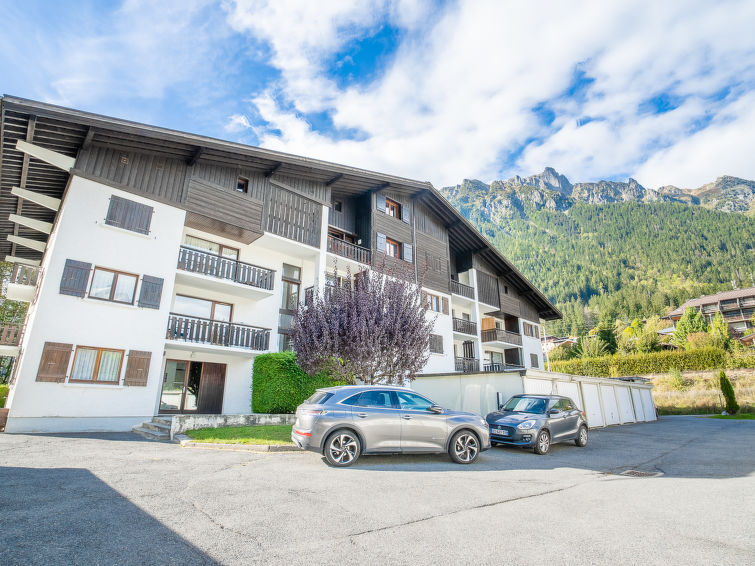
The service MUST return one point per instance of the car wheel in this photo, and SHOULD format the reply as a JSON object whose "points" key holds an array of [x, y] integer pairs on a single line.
{"points": [[464, 447], [342, 448], [543, 442], [581, 439]]}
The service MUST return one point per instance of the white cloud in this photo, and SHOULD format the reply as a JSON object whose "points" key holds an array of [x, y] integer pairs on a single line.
{"points": [[457, 97]]}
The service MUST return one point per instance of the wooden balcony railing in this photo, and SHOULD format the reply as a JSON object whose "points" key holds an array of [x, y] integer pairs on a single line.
{"points": [[465, 326], [348, 250], [10, 334], [747, 301], [499, 335], [729, 305], [501, 367], [221, 267], [23, 274], [217, 333], [467, 365], [461, 289]]}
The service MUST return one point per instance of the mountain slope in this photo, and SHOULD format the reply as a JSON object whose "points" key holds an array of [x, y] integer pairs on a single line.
{"points": [[614, 250]]}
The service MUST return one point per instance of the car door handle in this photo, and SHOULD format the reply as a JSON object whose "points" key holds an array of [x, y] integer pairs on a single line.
{"points": [[406, 417], [361, 415]]}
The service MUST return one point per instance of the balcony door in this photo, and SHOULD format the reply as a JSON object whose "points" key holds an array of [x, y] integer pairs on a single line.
{"points": [[192, 387]]}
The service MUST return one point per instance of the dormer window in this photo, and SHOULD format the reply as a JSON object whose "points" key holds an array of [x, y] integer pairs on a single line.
{"points": [[242, 185]]}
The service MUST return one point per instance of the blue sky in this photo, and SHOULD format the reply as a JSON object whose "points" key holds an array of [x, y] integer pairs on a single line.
{"points": [[439, 91]]}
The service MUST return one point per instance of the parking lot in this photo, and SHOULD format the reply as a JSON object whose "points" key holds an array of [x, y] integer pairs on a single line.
{"points": [[116, 499]]}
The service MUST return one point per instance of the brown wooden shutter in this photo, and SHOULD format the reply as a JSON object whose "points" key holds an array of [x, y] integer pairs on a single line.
{"points": [[75, 278], [129, 215], [151, 292], [423, 298], [445, 305], [54, 363], [137, 368]]}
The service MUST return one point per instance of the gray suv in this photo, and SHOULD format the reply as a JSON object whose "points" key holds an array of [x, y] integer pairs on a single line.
{"points": [[537, 421], [345, 422]]}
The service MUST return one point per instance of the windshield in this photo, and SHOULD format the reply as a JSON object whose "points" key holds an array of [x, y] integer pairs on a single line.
{"points": [[525, 405]]}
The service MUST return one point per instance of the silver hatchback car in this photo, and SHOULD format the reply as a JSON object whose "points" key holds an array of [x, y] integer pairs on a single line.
{"points": [[342, 423]]}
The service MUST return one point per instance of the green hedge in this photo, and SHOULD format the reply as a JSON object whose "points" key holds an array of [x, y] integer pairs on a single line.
{"points": [[3, 395], [639, 364], [279, 385], [740, 359]]}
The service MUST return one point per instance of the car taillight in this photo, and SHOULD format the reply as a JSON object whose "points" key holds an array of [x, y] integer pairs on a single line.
{"points": [[302, 433], [584, 416]]}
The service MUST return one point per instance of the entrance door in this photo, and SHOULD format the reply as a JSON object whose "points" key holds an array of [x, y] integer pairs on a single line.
{"points": [[192, 387]]}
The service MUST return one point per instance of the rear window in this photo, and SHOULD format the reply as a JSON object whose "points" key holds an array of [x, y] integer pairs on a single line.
{"points": [[318, 398]]}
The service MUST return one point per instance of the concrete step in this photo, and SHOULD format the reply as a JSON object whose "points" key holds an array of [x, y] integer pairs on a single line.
{"points": [[157, 427], [151, 434], [163, 420]]}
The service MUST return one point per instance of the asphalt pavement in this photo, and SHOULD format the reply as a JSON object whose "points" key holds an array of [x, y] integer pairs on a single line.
{"points": [[119, 499]]}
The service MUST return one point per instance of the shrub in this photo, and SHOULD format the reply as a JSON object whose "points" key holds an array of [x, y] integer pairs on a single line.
{"points": [[697, 340], [675, 380], [638, 364], [3, 395], [740, 358], [728, 391], [279, 385]]}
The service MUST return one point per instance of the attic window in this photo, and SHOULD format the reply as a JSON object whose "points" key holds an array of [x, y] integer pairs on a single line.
{"points": [[337, 205], [242, 185]]}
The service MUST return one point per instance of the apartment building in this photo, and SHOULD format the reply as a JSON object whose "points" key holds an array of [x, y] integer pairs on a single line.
{"points": [[736, 306], [158, 264]]}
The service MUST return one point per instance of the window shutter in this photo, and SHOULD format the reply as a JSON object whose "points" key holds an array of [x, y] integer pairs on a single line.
{"points": [[406, 213], [75, 278], [380, 202], [54, 363], [423, 298], [151, 292], [445, 305], [137, 368], [407, 252], [380, 242], [130, 215]]}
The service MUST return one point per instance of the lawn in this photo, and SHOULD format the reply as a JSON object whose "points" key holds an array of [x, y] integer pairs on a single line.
{"points": [[737, 417], [264, 434]]}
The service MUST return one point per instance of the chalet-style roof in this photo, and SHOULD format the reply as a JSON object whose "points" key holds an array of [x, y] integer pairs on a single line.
{"points": [[710, 299], [67, 131]]}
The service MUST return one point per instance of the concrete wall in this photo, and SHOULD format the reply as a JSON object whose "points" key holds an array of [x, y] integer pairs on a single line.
{"points": [[182, 423]]}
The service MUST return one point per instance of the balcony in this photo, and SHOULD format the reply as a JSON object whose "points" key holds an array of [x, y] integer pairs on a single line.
{"points": [[22, 283], [501, 367], [500, 335], [208, 271], [465, 326], [10, 338], [349, 250], [186, 332], [462, 290], [467, 365], [747, 301], [731, 304]]}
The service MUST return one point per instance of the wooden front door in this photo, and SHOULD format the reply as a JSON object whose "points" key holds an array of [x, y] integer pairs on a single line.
{"points": [[211, 388]]}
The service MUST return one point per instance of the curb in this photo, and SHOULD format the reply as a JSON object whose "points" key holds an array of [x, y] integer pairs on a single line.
{"points": [[187, 442]]}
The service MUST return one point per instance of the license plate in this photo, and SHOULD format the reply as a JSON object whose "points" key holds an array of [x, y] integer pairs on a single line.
{"points": [[500, 432]]}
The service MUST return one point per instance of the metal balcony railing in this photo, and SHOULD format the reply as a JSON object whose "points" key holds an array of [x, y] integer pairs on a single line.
{"points": [[467, 365], [205, 263], [500, 335], [499, 367], [217, 333], [465, 326]]}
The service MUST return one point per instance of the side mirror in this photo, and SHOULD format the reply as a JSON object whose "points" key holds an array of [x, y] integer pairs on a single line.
{"points": [[554, 412], [435, 409]]}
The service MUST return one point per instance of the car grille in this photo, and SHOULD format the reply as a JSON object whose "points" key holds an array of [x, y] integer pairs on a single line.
{"points": [[511, 431]]}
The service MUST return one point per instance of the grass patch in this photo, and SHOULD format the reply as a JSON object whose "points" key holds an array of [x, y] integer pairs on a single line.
{"points": [[263, 434], [737, 417], [699, 392], [3, 395]]}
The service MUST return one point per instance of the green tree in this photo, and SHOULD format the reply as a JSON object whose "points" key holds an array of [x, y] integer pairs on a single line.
{"points": [[690, 322], [591, 347], [719, 328], [728, 392]]}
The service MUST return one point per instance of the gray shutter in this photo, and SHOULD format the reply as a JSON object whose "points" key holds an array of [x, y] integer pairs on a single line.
{"points": [[407, 252], [380, 242], [75, 278], [151, 292], [129, 215], [380, 202], [54, 363], [444, 302], [406, 213]]}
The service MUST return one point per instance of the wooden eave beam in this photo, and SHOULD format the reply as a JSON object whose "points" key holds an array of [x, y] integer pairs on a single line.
{"points": [[34, 224], [379, 187], [28, 243], [25, 261], [88, 138], [195, 156], [333, 180], [42, 200], [273, 169], [47, 155], [30, 127]]}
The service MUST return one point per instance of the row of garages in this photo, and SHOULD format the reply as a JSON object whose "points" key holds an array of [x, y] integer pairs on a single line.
{"points": [[605, 401]]}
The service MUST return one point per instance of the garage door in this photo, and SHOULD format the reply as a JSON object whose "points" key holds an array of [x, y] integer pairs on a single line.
{"points": [[647, 404], [570, 390], [637, 401], [592, 404], [538, 386], [626, 411], [610, 408]]}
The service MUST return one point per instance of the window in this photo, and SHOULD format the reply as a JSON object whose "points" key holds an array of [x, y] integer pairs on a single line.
{"points": [[115, 286], [337, 206], [203, 308], [97, 365], [506, 289], [392, 248], [242, 185], [433, 302], [291, 272], [436, 344], [129, 215], [534, 361], [392, 208], [210, 247], [284, 343], [531, 330], [379, 399], [413, 402]]}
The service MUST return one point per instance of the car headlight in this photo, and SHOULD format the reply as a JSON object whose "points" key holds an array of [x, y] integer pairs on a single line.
{"points": [[525, 425]]}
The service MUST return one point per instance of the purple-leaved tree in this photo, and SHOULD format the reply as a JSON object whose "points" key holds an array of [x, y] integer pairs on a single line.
{"points": [[371, 327]]}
